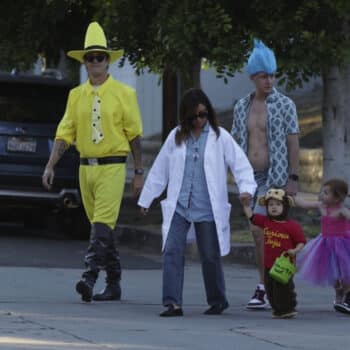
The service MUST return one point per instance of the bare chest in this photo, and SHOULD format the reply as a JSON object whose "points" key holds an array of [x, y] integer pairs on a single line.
{"points": [[257, 118]]}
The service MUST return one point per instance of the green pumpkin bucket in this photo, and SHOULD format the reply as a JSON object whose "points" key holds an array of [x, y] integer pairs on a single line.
{"points": [[283, 269]]}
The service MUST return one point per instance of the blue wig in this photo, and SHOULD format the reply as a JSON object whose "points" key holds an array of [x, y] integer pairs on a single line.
{"points": [[262, 59]]}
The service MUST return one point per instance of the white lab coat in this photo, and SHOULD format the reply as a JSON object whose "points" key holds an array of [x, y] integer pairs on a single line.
{"points": [[168, 169]]}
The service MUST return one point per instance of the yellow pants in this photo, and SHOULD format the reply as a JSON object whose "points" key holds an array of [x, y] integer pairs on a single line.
{"points": [[102, 188]]}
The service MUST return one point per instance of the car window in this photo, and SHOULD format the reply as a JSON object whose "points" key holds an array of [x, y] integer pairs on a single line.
{"points": [[32, 103]]}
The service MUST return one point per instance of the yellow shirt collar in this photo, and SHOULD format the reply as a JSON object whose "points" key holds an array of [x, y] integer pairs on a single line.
{"points": [[101, 89]]}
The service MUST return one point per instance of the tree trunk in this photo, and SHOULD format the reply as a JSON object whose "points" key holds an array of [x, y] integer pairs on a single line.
{"points": [[190, 77], [336, 122], [174, 86], [170, 102]]}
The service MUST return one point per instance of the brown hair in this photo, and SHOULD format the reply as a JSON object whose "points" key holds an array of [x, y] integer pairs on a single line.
{"points": [[286, 201], [338, 187], [189, 102], [286, 206]]}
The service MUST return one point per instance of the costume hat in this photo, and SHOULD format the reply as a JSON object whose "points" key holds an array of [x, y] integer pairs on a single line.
{"points": [[262, 59], [95, 40], [275, 193]]}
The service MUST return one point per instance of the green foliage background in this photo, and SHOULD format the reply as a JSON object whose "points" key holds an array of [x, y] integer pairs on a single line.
{"points": [[308, 36]]}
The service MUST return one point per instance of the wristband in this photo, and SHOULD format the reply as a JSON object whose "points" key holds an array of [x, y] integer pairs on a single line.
{"points": [[294, 177], [139, 171]]}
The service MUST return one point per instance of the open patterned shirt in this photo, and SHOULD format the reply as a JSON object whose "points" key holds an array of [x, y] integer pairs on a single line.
{"points": [[282, 120]]}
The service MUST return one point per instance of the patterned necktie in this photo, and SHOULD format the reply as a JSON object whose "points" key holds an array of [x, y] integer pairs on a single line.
{"points": [[97, 133]]}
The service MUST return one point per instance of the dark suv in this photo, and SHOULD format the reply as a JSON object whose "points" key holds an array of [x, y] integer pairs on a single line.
{"points": [[30, 109]]}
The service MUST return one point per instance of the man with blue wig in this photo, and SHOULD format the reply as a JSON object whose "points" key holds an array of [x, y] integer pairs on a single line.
{"points": [[265, 125]]}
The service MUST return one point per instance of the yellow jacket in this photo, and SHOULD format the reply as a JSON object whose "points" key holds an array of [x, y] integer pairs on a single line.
{"points": [[120, 119]]}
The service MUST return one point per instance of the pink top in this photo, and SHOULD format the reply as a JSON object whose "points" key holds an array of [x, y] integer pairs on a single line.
{"points": [[334, 226]]}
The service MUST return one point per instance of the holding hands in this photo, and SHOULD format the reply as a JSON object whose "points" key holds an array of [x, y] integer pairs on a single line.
{"points": [[144, 211], [245, 198], [293, 252]]}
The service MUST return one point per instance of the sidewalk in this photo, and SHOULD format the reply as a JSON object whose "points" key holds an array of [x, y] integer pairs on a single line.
{"points": [[40, 310]]}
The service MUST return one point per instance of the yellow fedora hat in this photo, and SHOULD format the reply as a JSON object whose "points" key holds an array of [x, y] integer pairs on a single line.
{"points": [[95, 40]]}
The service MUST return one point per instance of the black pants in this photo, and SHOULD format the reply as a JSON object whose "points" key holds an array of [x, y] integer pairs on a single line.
{"points": [[282, 297], [102, 255]]}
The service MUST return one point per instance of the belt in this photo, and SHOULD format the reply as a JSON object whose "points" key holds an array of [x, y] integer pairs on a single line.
{"points": [[102, 160]]}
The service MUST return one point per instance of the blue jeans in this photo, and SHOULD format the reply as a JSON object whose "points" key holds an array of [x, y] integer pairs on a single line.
{"points": [[174, 261], [260, 179]]}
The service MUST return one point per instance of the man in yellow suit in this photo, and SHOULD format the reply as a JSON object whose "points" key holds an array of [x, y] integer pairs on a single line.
{"points": [[102, 118]]}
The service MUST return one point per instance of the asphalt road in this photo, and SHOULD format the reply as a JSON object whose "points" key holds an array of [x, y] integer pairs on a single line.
{"points": [[37, 248], [39, 308]]}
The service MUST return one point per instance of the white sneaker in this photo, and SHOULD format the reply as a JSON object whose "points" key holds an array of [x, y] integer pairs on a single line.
{"points": [[258, 300], [342, 307], [345, 306]]}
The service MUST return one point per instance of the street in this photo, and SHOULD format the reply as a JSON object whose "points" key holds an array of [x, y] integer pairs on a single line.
{"points": [[39, 308]]}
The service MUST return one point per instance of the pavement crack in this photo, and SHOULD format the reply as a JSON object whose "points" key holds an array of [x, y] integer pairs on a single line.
{"points": [[243, 331], [46, 327]]}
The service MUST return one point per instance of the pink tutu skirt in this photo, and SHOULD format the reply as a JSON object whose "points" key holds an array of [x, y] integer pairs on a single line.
{"points": [[324, 260]]}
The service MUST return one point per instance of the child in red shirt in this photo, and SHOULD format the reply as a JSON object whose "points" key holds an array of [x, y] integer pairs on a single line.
{"points": [[281, 235]]}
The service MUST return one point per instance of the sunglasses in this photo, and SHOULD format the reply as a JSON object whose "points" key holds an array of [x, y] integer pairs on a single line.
{"points": [[92, 57], [201, 115]]}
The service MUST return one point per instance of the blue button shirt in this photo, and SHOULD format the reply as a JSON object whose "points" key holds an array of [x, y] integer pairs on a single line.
{"points": [[194, 202]]}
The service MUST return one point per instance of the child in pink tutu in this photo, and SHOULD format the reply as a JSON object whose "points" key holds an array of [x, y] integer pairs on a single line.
{"points": [[281, 236], [326, 259]]}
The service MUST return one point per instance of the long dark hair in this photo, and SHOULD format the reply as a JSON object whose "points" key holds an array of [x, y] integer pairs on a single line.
{"points": [[189, 103]]}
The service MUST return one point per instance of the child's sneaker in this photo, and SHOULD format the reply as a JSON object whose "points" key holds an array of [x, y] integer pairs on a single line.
{"points": [[342, 307], [291, 314], [259, 300], [345, 306], [286, 315]]}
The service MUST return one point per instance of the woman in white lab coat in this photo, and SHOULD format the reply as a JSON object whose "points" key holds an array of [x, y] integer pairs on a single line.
{"points": [[192, 164]]}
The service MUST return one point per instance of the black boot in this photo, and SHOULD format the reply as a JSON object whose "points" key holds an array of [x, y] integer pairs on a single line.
{"points": [[85, 287], [95, 259], [111, 292], [113, 274]]}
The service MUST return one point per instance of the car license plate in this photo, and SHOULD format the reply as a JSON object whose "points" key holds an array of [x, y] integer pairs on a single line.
{"points": [[21, 144]]}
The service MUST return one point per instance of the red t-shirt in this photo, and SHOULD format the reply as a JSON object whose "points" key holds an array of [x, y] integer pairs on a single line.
{"points": [[279, 236]]}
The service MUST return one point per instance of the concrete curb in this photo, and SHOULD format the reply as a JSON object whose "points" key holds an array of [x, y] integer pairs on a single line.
{"points": [[147, 241], [243, 253], [137, 238]]}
